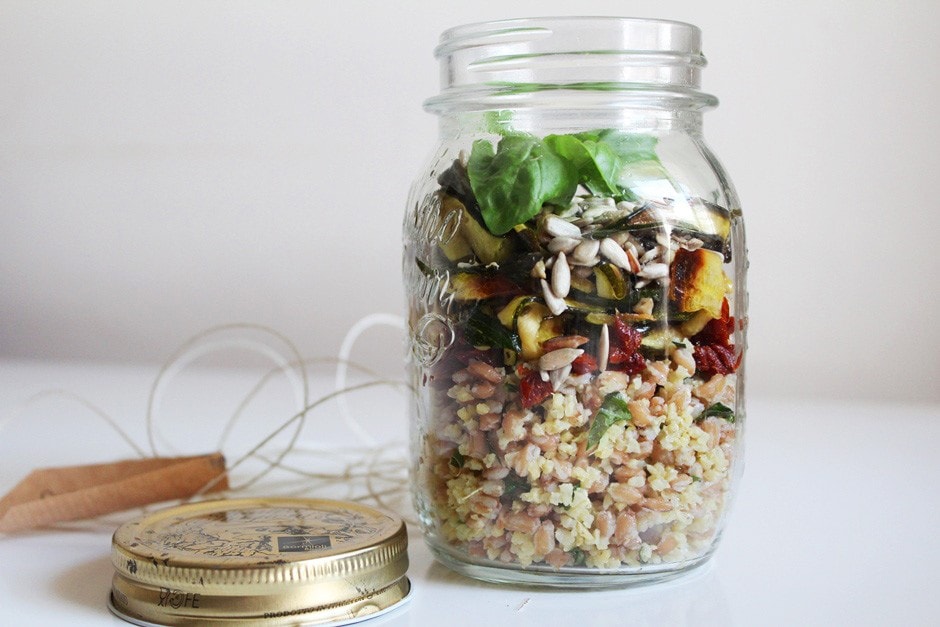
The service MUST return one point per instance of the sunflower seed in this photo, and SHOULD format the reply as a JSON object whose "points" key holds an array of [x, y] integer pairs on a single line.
{"points": [[559, 358], [586, 252], [563, 244], [634, 262], [653, 271], [649, 255], [603, 349], [556, 305], [613, 251], [561, 276], [558, 377], [621, 238], [556, 227]]}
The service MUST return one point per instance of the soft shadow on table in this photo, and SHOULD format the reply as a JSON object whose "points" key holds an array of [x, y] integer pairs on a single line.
{"points": [[697, 598], [87, 585]]}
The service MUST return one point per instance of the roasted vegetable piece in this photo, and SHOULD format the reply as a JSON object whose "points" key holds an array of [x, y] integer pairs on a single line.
{"points": [[456, 247], [660, 339], [533, 323], [481, 285], [485, 330], [713, 220], [697, 281], [470, 236], [611, 283], [696, 323], [487, 247], [508, 314]]}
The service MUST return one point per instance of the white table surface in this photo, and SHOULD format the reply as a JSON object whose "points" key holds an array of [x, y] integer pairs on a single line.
{"points": [[836, 520]]}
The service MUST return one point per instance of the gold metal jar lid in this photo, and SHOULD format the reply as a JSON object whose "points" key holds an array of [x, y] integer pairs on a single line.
{"points": [[264, 562]]}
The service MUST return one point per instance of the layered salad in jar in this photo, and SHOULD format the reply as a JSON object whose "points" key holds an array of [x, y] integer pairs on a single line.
{"points": [[580, 411]]}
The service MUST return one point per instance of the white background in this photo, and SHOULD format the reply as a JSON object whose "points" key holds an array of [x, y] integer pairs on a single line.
{"points": [[168, 166]]}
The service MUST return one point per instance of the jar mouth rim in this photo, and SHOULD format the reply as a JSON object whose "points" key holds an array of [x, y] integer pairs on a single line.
{"points": [[472, 35], [610, 55]]}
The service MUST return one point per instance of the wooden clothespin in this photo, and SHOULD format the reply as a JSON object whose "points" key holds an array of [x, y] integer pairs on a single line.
{"points": [[51, 495]]}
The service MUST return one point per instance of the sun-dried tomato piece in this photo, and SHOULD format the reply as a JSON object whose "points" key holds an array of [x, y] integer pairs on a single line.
{"points": [[630, 363], [584, 364], [714, 352], [715, 359], [718, 330], [532, 390], [624, 344], [626, 336]]}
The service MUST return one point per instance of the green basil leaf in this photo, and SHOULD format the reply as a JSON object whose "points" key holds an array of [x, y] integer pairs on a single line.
{"points": [[639, 163], [719, 411], [512, 182], [613, 410], [484, 330], [597, 164], [629, 147], [498, 122]]}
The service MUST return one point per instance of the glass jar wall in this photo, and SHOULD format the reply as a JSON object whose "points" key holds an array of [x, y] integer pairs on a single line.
{"points": [[574, 265]]}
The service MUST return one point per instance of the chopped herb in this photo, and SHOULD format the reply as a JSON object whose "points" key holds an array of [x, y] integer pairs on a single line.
{"points": [[613, 410], [484, 330], [514, 486], [696, 479], [578, 556], [457, 460], [719, 411]]}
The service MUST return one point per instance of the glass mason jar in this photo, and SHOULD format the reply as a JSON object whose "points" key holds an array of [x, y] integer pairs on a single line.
{"points": [[574, 265]]}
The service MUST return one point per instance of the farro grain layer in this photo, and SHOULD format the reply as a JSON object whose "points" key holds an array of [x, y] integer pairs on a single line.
{"points": [[519, 486]]}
